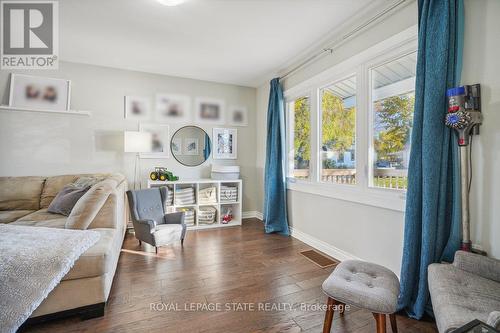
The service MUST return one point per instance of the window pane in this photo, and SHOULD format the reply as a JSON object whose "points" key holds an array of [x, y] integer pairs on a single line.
{"points": [[393, 97], [300, 137], [338, 132]]}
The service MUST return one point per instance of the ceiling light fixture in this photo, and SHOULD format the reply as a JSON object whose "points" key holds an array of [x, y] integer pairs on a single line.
{"points": [[171, 3]]}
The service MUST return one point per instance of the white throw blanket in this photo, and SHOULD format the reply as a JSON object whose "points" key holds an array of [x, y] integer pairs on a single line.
{"points": [[33, 260]]}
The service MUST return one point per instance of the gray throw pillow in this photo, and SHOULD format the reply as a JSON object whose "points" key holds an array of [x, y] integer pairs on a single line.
{"points": [[66, 199]]}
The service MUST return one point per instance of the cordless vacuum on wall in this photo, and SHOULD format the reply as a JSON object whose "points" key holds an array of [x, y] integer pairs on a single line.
{"points": [[464, 116]]}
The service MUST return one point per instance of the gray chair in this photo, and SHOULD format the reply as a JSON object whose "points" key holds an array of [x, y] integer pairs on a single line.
{"points": [[151, 224]]}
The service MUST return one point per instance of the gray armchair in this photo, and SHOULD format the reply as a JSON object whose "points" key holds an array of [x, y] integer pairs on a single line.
{"points": [[466, 290], [151, 224]]}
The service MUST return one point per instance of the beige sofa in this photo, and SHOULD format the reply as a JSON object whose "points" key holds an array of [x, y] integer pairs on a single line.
{"points": [[85, 289]]}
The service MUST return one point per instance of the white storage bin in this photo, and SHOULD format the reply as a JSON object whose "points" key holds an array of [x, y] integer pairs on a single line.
{"points": [[225, 172]]}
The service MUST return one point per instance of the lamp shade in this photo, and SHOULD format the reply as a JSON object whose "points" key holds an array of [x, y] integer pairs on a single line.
{"points": [[137, 142]]}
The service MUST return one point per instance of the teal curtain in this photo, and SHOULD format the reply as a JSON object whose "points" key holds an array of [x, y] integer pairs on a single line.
{"points": [[275, 204], [432, 219], [207, 149]]}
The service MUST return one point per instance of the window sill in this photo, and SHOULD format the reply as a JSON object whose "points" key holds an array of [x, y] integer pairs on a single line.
{"points": [[383, 198]]}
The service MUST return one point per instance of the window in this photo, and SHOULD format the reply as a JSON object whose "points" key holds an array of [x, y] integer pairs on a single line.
{"points": [[392, 102], [299, 115], [338, 132], [349, 127]]}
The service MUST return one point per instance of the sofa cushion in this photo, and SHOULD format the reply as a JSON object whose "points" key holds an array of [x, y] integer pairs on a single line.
{"points": [[42, 218], [66, 199], [20, 193], [459, 297], [7, 216], [97, 260], [87, 208], [52, 186]]}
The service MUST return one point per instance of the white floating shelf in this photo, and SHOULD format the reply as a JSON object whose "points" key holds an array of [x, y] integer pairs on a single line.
{"points": [[73, 112]]}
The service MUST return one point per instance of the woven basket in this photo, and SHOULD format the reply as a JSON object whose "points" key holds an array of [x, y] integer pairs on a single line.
{"points": [[206, 215]]}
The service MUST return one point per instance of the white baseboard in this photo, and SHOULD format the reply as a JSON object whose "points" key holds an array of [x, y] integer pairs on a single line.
{"points": [[252, 214], [319, 245], [322, 246]]}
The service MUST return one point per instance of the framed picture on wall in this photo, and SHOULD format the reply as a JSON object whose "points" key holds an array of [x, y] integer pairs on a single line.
{"points": [[173, 108], [176, 146], [160, 140], [238, 116], [42, 93], [209, 110], [137, 108], [225, 142], [190, 146]]}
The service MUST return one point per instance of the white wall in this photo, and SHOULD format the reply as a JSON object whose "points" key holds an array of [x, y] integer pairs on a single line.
{"points": [[482, 65], [376, 234], [47, 144]]}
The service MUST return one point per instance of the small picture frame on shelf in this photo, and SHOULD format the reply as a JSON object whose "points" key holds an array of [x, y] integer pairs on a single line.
{"points": [[160, 140], [39, 93], [238, 116], [225, 142], [137, 108]]}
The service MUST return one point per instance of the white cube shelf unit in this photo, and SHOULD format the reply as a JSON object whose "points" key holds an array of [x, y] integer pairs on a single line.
{"points": [[222, 203]]}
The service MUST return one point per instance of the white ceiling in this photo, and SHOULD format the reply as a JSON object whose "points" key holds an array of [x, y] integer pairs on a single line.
{"points": [[231, 41]]}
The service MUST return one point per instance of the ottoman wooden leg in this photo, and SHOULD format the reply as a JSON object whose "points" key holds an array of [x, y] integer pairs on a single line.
{"points": [[327, 326], [342, 308], [394, 324], [380, 319]]}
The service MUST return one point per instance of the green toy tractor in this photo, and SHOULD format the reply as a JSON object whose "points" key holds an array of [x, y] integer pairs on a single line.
{"points": [[162, 174]]}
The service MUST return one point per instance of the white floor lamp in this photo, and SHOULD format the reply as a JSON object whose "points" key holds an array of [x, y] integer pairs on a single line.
{"points": [[137, 142]]}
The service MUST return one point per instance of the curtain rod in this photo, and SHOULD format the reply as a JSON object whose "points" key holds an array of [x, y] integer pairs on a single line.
{"points": [[344, 39]]}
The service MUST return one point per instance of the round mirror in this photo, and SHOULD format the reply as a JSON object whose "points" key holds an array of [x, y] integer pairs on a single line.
{"points": [[190, 145]]}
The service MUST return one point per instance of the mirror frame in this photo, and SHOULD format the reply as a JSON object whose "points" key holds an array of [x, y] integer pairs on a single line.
{"points": [[175, 157]]}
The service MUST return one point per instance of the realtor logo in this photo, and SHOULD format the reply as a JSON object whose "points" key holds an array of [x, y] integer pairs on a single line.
{"points": [[29, 33]]}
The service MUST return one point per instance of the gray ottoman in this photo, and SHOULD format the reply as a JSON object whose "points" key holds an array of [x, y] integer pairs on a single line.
{"points": [[364, 285]]}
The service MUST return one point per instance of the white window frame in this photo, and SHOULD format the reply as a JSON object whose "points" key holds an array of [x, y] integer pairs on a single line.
{"points": [[289, 121], [319, 125], [359, 65], [379, 61]]}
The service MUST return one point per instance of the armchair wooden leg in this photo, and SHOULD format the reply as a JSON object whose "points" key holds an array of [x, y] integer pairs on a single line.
{"points": [[380, 319], [182, 242], [394, 324], [140, 242], [327, 326], [156, 249]]}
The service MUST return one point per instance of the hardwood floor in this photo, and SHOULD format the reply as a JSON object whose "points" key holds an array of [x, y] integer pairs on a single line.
{"points": [[221, 266]]}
